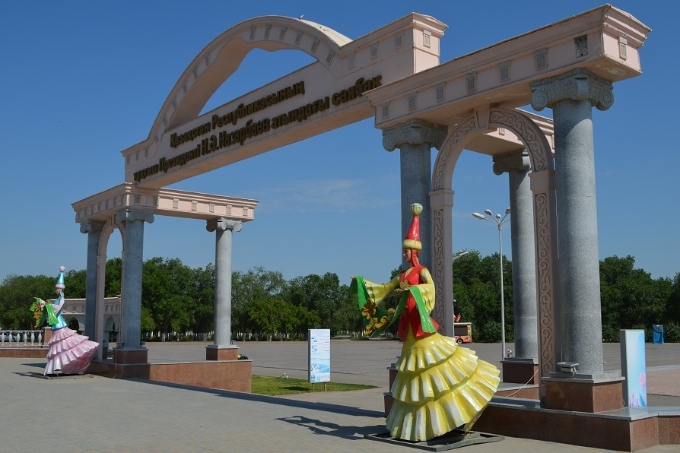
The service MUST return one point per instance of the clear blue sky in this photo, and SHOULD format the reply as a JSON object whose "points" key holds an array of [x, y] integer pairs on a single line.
{"points": [[83, 80]]}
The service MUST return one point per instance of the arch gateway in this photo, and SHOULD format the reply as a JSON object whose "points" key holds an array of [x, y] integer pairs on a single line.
{"points": [[394, 75]]}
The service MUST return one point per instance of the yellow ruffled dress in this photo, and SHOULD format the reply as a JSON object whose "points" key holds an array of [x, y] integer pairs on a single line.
{"points": [[440, 386]]}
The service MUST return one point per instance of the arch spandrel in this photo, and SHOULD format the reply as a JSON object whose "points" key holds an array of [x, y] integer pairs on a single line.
{"points": [[545, 218], [223, 55]]}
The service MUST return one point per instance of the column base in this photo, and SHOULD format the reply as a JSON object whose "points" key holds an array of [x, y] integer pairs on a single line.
{"points": [[583, 393], [214, 352], [130, 355], [519, 370]]}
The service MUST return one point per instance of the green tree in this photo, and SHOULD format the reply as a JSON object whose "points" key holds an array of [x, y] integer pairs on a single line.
{"points": [[271, 317], [204, 299], [166, 289], [114, 277], [75, 284], [476, 290], [256, 284], [16, 296], [630, 298]]}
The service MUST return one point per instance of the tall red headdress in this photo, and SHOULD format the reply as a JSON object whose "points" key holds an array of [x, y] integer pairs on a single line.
{"points": [[412, 240]]}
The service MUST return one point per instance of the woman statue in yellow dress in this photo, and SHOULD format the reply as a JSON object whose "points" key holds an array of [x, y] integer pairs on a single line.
{"points": [[439, 386]]}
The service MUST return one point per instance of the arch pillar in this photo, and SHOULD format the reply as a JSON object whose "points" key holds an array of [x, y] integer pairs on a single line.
{"points": [[441, 202], [93, 229], [540, 155], [518, 165], [572, 97], [130, 349], [415, 140], [222, 349]]}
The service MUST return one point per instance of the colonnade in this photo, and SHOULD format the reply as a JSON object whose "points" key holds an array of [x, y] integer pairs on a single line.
{"points": [[574, 319], [575, 316], [130, 348]]}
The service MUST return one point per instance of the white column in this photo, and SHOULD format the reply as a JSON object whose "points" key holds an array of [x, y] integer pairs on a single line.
{"points": [[93, 230], [517, 166], [415, 139], [572, 96], [224, 229], [133, 260]]}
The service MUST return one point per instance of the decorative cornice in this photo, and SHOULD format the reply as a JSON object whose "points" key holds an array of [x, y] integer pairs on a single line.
{"points": [[414, 132], [516, 161], [223, 224], [577, 85]]}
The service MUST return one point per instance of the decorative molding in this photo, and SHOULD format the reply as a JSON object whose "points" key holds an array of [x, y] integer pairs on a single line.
{"points": [[90, 226], [539, 153], [133, 215], [439, 277], [545, 284], [414, 132], [223, 224], [577, 85], [515, 161]]}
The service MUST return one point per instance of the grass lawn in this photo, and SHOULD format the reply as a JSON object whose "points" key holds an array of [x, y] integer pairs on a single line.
{"points": [[272, 386]]}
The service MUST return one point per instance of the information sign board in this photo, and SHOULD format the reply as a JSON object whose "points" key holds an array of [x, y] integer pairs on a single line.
{"points": [[319, 354]]}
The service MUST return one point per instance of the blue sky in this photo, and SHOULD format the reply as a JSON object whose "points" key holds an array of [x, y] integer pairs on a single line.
{"points": [[84, 80]]}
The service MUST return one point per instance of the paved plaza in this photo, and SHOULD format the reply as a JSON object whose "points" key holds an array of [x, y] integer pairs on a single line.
{"points": [[96, 414]]}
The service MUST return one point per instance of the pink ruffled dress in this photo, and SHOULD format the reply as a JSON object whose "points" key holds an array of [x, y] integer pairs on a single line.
{"points": [[69, 353]]}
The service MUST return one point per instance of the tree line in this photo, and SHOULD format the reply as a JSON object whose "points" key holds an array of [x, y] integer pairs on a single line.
{"points": [[178, 298]]}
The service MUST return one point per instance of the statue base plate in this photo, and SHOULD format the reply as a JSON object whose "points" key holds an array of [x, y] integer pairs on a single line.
{"points": [[449, 441]]}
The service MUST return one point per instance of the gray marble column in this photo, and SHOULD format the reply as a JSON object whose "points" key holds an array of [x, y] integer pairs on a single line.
{"points": [[415, 139], [517, 166], [224, 229], [94, 232], [133, 261], [572, 96]]}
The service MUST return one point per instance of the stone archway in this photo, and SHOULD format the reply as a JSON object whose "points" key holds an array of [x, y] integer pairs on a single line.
{"points": [[542, 186]]}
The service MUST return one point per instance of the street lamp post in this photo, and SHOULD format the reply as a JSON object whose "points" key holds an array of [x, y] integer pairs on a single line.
{"points": [[498, 221]]}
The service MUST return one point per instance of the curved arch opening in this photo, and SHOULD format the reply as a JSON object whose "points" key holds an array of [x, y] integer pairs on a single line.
{"points": [[258, 68]]}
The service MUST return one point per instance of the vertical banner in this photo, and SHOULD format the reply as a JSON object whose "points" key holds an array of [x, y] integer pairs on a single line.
{"points": [[319, 355], [633, 368]]}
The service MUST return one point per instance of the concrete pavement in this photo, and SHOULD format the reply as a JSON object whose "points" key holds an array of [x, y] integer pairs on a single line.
{"points": [[96, 414]]}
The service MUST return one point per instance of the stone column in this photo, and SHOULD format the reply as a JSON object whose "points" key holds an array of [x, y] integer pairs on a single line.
{"points": [[131, 350], [572, 96], [523, 251], [222, 348], [94, 231], [523, 366], [415, 139]]}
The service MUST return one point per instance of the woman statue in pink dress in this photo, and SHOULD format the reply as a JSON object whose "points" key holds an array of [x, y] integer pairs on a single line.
{"points": [[69, 353]]}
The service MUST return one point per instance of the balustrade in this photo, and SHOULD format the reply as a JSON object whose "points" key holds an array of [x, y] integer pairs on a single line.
{"points": [[21, 338]]}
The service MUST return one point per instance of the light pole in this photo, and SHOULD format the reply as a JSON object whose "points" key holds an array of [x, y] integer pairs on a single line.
{"points": [[498, 221]]}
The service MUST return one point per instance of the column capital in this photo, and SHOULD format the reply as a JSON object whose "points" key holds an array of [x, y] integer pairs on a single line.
{"points": [[577, 85], [223, 224], [91, 226], [414, 132], [516, 161], [129, 215]]}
